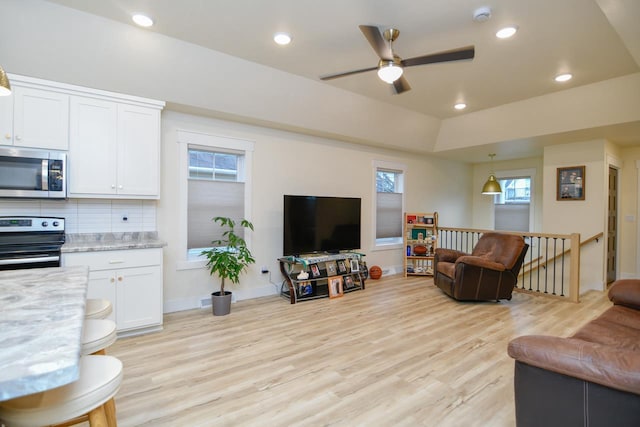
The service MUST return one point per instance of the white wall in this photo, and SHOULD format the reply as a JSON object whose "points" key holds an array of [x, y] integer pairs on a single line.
{"points": [[586, 217], [291, 163]]}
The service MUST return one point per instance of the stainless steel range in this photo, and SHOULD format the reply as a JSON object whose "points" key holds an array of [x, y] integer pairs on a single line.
{"points": [[30, 242]]}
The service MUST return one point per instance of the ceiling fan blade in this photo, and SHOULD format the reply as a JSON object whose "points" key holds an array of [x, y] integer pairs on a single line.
{"points": [[377, 42], [467, 52], [401, 85], [347, 73]]}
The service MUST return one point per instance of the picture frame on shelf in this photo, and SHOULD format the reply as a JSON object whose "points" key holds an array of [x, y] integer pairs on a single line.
{"points": [[335, 286], [411, 219], [429, 220], [348, 282], [315, 270], [342, 267], [305, 289], [570, 184], [354, 265], [331, 267]]}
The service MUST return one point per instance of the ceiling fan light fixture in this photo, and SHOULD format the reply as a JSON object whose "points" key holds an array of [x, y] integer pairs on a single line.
{"points": [[389, 72]]}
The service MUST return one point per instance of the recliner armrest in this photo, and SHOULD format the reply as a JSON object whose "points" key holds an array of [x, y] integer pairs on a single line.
{"points": [[480, 262], [448, 255], [610, 367], [626, 292]]}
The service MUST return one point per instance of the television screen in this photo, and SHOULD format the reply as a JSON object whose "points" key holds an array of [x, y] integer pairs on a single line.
{"points": [[320, 224]]}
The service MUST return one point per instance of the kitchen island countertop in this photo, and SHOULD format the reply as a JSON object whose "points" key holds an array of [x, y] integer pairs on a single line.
{"points": [[41, 318]]}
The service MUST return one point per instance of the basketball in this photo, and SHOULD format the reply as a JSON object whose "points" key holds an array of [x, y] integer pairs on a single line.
{"points": [[375, 272]]}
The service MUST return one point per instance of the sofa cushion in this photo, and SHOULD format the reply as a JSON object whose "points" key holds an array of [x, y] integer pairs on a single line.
{"points": [[626, 292], [618, 327]]}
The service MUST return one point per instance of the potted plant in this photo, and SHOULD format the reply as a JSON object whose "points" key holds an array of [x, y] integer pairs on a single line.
{"points": [[227, 259]]}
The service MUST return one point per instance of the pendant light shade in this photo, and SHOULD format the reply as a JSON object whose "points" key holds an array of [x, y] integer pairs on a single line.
{"points": [[492, 186], [5, 87]]}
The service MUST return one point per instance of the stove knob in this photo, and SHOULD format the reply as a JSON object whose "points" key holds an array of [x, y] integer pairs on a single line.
{"points": [[56, 223], [45, 223]]}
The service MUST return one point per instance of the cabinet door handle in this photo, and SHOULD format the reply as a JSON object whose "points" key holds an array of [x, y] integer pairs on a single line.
{"points": [[18, 137], [112, 280], [113, 186], [7, 136], [120, 187], [120, 279], [116, 261]]}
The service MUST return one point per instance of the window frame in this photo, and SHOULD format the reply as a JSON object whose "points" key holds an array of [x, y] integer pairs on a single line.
{"points": [[401, 168], [197, 140]]}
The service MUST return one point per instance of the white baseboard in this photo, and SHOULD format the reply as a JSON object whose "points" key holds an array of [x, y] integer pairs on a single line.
{"points": [[190, 303]]}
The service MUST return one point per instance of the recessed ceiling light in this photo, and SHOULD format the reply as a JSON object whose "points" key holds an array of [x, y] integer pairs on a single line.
{"points": [[506, 32], [142, 20], [282, 38], [460, 106], [563, 77]]}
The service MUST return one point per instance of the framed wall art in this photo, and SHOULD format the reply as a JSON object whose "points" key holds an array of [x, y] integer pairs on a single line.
{"points": [[571, 183]]}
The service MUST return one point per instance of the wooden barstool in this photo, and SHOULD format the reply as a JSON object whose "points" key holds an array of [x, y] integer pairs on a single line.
{"points": [[100, 379], [97, 308]]}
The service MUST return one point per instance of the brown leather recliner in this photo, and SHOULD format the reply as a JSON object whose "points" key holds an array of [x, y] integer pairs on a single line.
{"points": [[490, 272]]}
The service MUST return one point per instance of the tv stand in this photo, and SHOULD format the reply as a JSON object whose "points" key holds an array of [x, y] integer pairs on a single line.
{"points": [[349, 267]]}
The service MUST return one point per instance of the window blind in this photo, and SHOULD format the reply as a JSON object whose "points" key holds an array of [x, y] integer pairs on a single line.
{"points": [[206, 200], [388, 215]]}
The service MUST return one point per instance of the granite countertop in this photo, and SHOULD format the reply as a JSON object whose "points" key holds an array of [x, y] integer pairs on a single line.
{"points": [[41, 318], [90, 242]]}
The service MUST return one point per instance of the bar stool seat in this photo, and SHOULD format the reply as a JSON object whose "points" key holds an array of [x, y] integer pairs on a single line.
{"points": [[97, 335], [100, 379], [97, 308]]}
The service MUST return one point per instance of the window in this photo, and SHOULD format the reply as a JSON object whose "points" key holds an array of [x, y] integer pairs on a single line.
{"points": [[389, 204], [512, 206], [215, 188]]}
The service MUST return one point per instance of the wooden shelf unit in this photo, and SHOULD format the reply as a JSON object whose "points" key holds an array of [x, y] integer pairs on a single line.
{"points": [[420, 243], [326, 267]]}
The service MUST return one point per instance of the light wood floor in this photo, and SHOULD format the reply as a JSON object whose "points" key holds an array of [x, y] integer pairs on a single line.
{"points": [[400, 353]]}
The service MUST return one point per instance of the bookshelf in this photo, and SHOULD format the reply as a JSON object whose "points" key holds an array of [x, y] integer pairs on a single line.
{"points": [[420, 243]]}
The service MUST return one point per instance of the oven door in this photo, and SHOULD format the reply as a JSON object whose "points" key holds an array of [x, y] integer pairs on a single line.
{"points": [[27, 260]]}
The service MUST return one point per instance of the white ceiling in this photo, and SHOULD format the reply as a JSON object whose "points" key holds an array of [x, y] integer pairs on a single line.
{"points": [[554, 37]]}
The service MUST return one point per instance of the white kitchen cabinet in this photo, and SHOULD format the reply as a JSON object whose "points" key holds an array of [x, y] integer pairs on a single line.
{"points": [[35, 118], [114, 149], [131, 280]]}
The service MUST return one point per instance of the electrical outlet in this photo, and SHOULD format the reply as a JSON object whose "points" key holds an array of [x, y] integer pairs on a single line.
{"points": [[125, 217]]}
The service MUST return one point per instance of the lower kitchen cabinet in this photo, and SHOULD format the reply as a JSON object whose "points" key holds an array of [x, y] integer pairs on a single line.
{"points": [[131, 280]]}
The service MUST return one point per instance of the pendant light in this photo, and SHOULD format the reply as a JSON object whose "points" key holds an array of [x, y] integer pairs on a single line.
{"points": [[5, 87], [492, 186]]}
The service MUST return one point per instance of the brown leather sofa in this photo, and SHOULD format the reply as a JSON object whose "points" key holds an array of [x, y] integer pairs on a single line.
{"points": [[490, 272], [589, 379]]}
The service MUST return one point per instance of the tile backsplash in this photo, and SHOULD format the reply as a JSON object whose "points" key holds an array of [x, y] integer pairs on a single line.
{"points": [[89, 215]]}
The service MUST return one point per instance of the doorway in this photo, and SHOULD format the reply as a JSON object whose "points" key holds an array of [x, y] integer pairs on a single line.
{"points": [[612, 225]]}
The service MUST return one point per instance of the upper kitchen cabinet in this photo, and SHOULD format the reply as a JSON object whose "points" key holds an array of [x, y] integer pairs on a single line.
{"points": [[114, 149], [35, 118]]}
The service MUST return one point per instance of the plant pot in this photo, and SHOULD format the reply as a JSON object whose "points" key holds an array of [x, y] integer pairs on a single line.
{"points": [[221, 304]]}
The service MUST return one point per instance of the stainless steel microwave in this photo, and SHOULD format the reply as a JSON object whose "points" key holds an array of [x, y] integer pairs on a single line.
{"points": [[32, 173]]}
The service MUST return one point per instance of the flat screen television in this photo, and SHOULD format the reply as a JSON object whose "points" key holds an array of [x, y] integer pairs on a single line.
{"points": [[320, 224]]}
